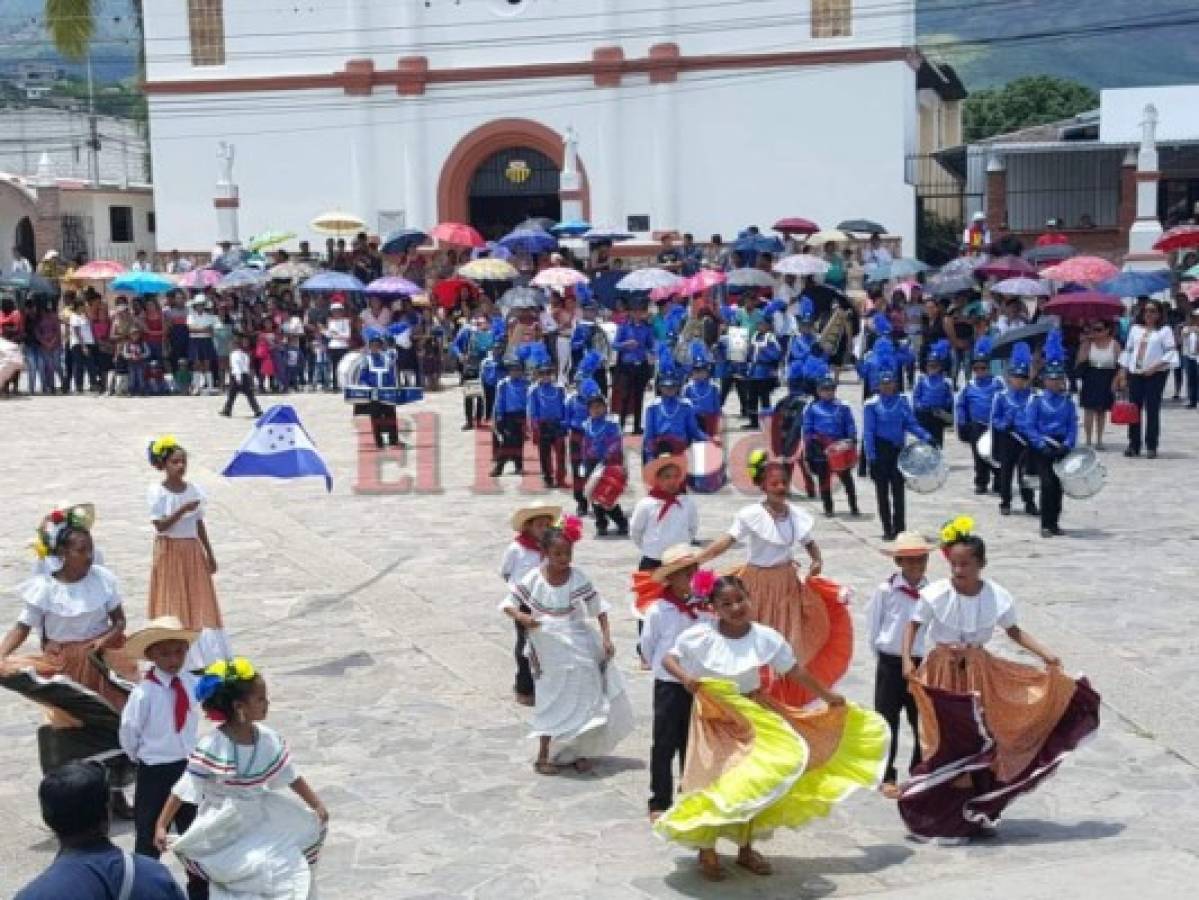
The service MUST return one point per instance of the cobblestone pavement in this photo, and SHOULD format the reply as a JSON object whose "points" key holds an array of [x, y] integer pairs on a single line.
{"points": [[373, 616]]}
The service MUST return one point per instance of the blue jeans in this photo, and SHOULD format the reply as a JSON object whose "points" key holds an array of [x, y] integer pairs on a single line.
{"points": [[137, 378], [33, 366], [1190, 366]]}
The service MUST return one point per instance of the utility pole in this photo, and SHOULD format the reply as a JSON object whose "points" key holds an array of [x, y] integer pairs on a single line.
{"points": [[93, 143]]}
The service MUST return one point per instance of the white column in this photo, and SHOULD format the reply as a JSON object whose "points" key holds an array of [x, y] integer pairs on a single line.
{"points": [[570, 183], [225, 198], [1146, 230]]}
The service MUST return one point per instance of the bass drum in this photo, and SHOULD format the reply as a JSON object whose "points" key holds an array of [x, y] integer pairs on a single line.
{"points": [[706, 472], [923, 467], [1081, 473], [986, 447], [738, 344]]}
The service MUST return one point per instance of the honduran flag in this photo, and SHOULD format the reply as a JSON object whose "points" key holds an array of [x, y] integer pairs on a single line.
{"points": [[278, 447]]}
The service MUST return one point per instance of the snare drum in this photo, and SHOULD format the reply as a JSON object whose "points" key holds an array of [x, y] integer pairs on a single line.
{"points": [[1081, 473], [400, 396], [923, 467], [738, 344], [347, 369], [605, 486], [986, 448], [359, 393], [842, 456], [706, 472]]}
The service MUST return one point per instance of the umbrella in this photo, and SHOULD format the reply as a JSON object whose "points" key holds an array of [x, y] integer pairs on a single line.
{"points": [[457, 234], [702, 281], [606, 236], [1083, 269], [1180, 238], [535, 223], [1085, 306], [1191, 273], [31, 283], [244, 277], [559, 278], [1006, 267], [801, 264], [198, 279], [896, 270], [1137, 284], [254, 260], [403, 240], [491, 249], [830, 235], [948, 285], [269, 239], [824, 297], [667, 291], [963, 265], [446, 292], [759, 243], [1033, 335], [647, 279], [1050, 253], [862, 226], [1021, 287], [337, 222], [97, 270], [142, 283], [528, 240], [796, 225], [227, 262], [521, 298], [1192, 291], [573, 228], [393, 286], [291, 271], [741, 278], [333, 281], [488, 269]]}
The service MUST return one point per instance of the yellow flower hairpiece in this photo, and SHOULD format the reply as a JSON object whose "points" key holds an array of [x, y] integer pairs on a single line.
{"points": [[163, 444], [237, 669], [243, 669], [756, 461], [220, 669], [956, 529]]}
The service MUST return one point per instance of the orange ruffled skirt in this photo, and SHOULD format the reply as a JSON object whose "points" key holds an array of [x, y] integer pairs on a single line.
{"points": [[813, 618], [70, 660], [181, 585]]}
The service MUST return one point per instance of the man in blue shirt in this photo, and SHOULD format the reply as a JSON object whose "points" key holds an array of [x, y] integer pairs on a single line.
{"points": [[511, 410], [887, 419], [634, 343], [973, 408], [74, 800], [547, 421]]}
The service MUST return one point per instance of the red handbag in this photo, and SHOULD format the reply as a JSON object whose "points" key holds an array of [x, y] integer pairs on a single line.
{"points": [[1125, 412]]}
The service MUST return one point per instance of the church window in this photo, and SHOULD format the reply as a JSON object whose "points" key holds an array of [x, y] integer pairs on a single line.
{"points": [[832, 18], [206, 28]]}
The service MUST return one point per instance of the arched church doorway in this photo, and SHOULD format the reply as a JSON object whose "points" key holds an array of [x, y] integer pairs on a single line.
{"points": [[512, 185]]}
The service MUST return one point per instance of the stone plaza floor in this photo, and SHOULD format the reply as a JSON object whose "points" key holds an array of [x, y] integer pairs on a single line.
{"points": [[372, 613]]}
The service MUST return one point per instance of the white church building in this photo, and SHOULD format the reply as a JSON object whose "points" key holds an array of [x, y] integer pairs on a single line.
{"points": [[688, 115]]}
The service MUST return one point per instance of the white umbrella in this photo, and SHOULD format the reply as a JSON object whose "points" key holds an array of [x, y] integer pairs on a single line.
{"points": [[647, 280], [802, 264], [823, 237], [750, 278], [1021, 287], [559, 278], [337, 222]]}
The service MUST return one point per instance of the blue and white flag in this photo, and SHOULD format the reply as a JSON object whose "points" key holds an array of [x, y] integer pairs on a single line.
{"points": [[278, 447]]}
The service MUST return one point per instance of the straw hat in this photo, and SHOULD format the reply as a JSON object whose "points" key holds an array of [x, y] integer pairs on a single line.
{"points": [[650, 472], [680, 556], [538, 510], [910, 543], [164, 628]]}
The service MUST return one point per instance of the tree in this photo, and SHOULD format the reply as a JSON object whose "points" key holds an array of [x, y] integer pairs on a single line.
{"points": [[1035, 100], [72, 25]]}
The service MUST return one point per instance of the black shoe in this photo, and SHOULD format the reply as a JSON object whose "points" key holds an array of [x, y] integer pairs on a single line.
{"points": [[1056, 531], [548, 482], [622, 530], [1130, 452], [888, 535], [828, 513], [1005, 510], [468, 426], [980, 489], [1031, 509], [601, 530], [1191, 405], [854, 511], [225, 413], [581, 509], [638, 431], [520, 470], [1152, 454]]}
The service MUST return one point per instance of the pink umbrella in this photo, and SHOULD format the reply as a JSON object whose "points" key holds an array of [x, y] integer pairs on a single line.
{"points": [[796, 225], [559, 278], [703, 280], [458, 234], [1006, 267], [1181, 238], [1082, 269], [98, 270], [198, 279], [666, 291], [1085, 306]]}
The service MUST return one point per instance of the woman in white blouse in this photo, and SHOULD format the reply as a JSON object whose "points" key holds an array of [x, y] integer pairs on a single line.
{"points": [[338, 331], [1148, 357], [991, 729], [809, 613]]}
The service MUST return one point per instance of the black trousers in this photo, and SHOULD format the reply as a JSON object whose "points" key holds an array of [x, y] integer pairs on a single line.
{"points": [[1012, 458], [524, 672], [1146, 392], [551, 450], [983, 473], [509, 440], [824, 476], [633, 379], [602, 516], [243, 385], [152, 788], [888, 487], [1051, 489], [473, 406], [758, 391], [891, 696], [488, 400], [730, 383], [933, 425], [672, 720]]}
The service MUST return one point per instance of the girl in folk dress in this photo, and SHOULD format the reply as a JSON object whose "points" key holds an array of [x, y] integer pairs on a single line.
{"points": [[181, 577], [249, 840], [580, 704], [810, 613]]}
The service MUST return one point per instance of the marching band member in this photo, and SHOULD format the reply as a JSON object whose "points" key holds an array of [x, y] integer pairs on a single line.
{"points": [[730, 372], [602, 445], [826, 421], [805, 341], [587, 338], [932, 397], [1052, 426], [491, 372], [787, 425], [701, 393], [547, 419], [634, 344], [470, 348], [886, 419], [1008, 443], [670, 422], [576, 414], [973, 409], [764, 356], [378, 370], [511, 409]]}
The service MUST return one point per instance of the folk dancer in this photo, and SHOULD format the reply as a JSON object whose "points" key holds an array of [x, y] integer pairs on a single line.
{"points": [[520, 558]]}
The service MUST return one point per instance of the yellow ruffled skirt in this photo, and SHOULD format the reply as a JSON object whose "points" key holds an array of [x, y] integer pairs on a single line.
{"points": [[755, 765]]}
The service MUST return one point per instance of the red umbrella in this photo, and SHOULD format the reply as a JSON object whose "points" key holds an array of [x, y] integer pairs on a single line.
{"points": [[1181, 238], [1007, 267], [446, 292], [1083, 269], [1085, 306], [796, 225], [457, 234]]}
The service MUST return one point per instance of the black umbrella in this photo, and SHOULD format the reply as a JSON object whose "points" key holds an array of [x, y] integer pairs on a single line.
{"points": [[1033, 335], [521, 298], [824, 298], [862, 226], [1052, 253]]}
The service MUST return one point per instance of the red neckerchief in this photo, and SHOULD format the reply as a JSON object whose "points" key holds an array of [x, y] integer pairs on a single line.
{"points": [[528, 542], [668, 500], [182, 703], [690, 610], [900, 584]]}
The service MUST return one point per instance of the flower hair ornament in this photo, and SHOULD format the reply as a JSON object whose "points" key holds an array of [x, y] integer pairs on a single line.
{"points": [[219, 673], [81, 516], [703, 582], [756, 464], [571, 528], [956, 530], [160, 448]]}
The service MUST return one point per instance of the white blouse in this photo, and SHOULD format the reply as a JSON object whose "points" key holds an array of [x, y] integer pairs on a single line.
{"points": [[704, 652], [771, 541], [953, 618], [163, 504], [573, 601], [70, 612], [1147, 348]]}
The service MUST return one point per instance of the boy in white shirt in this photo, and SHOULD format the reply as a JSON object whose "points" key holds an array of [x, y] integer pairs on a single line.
{"points": [[158, 731], [667, 516], [890, 611], [241, 378], [669, 617]]}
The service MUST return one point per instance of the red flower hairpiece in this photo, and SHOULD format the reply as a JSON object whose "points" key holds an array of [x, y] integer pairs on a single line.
{"points": [[572, 528], [58, 517], [703, 583]]}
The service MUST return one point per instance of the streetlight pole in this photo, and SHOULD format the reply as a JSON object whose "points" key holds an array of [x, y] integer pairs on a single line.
{"points": [[93, 144]]}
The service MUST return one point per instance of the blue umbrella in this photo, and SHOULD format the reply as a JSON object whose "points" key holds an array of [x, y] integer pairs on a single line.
{"points": [[227, 262], [573, 228], [1136, 284], [528, 240], [242, 278], [403, 240], [606, 236], [142, 283], [333, 281], [492, 251], [758, 243]]}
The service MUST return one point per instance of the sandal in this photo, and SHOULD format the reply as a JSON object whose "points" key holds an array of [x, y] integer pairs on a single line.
{"points": [[544, 767], [709, 866], [754, 861]]}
